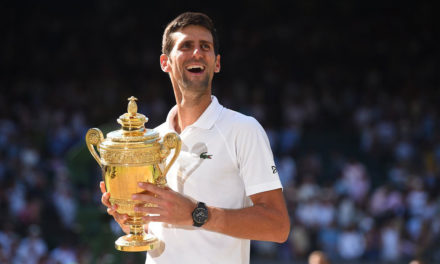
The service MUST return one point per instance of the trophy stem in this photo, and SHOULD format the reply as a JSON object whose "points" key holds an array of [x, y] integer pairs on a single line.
{"points": [[137, 240], [136, 230]]}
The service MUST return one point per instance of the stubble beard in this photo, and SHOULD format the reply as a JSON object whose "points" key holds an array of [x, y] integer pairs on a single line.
{"points": [[198, 86]]}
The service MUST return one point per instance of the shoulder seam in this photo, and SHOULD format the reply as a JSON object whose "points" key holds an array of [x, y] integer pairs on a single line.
{"points": [[230, 152]]}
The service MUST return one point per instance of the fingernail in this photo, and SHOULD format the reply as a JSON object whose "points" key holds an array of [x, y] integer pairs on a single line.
{"points": [[140, 184], [134, 197]]}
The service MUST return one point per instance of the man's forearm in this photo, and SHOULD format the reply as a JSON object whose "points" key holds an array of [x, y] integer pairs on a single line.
{"points": [[261, 221]]}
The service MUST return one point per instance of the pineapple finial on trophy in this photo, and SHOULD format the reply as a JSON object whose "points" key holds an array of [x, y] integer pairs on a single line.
{"points": [[132, 106]]}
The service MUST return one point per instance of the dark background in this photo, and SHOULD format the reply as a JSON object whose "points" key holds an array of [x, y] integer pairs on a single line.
{"points": [[347, 91]]}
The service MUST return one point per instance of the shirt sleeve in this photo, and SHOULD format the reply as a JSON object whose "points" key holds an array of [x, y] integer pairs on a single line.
{"points": [[255, 158]]}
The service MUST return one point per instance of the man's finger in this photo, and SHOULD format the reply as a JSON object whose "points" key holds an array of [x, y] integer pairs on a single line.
{"points": [[123, 218], [120, 218], [105, 199], [149, 210], [111, 212], [152, 188], [154, 218], [146, 198], [102, 186]]}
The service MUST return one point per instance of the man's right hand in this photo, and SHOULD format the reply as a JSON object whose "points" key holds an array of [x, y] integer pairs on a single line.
{"points": [[121, 219]]}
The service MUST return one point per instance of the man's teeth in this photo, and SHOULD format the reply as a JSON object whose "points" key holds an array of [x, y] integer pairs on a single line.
{"points": [[193, 67]]}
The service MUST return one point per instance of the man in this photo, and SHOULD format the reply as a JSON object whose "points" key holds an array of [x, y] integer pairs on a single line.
{"points": [[224, 189]]}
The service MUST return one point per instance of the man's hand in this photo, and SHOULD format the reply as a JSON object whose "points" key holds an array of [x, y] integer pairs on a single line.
{"points": [[121, 219], [170, 207]]}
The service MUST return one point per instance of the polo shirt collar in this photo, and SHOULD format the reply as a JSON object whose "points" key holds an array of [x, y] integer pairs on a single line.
{"points": [[205, 121]]}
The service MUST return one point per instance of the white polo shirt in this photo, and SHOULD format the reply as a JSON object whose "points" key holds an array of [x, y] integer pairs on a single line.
{"points": [[225, 158]]}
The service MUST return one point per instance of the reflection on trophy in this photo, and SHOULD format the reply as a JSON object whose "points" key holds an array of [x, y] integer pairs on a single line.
{"points": [[127, 156]]}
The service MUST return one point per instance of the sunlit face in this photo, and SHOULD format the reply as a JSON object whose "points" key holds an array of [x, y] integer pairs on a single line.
{"points": [[192, 61]]}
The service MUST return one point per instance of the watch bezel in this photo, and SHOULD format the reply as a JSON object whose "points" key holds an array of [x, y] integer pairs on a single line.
{"points": [[199, 220]]}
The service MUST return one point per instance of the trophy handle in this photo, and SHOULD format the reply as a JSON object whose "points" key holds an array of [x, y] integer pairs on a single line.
{"points": [[170, 141], [93, 137]]}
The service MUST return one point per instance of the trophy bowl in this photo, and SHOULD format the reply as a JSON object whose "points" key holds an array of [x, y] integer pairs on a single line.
{"points": [[127, 156]]}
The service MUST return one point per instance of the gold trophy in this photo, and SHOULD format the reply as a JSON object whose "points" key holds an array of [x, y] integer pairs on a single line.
{"points": [[127, 156]]}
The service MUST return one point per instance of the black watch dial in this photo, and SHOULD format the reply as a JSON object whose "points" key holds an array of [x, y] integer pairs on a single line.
{"points": [[200, 215]]}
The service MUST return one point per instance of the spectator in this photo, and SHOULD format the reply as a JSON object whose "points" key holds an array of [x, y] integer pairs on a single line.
{"points": [[351, 244], [64, 254], [31, 248], [318, 257], [299, 240], [8, 241], [356, 179], [390, 241]]}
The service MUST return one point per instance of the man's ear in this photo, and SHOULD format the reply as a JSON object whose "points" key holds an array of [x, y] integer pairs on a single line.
{"points": [[164, 63], [217, 64]]}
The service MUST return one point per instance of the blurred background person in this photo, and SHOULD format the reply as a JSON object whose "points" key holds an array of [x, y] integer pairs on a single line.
{"points": [[318, 257]]}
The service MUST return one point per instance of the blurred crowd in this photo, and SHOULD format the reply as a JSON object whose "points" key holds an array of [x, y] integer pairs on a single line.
{"points": [[347, 92]]}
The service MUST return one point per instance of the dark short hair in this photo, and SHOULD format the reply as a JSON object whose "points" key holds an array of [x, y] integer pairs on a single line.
{"points": [[184, 20]]}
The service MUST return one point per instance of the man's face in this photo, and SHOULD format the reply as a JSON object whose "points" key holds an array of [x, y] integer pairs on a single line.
{"points": [[192, 61]]}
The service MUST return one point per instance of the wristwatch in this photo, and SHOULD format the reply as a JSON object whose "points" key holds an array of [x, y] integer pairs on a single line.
{"points": [[200, 214]]}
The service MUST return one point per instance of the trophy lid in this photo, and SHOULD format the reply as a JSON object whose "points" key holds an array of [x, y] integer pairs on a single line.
{"points": [[132, 126]]}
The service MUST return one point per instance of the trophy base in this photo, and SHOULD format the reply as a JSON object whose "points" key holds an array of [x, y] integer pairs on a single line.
{"points": [[136, 243]]}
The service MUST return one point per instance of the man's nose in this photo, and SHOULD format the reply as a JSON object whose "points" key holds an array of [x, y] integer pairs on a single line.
{"points": [[197, 53]]}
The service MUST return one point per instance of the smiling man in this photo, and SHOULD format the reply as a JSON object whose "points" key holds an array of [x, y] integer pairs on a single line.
{"points": [[223, 189]]}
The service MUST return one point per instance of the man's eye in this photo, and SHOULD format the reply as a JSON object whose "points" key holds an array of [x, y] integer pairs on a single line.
{"points": [[186, 45], [205, 46]]}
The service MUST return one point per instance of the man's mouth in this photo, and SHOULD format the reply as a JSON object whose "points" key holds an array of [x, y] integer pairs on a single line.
{"points": [[195, 68]]}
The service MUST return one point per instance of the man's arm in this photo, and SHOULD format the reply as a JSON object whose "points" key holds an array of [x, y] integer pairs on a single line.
{"points": [[266, 220]]}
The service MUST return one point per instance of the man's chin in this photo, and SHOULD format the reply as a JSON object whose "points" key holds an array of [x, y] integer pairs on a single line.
{"points": [[199, 86], [199, 89]]}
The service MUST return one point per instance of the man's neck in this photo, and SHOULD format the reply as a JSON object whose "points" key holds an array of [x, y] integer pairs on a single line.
{"points": [[189, 109]]}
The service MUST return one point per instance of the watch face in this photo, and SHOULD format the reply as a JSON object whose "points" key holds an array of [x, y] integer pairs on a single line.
{"points": [[200, 215]]}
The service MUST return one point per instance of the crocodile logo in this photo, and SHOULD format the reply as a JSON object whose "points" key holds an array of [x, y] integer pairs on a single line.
{"points": [[205, 155]]}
